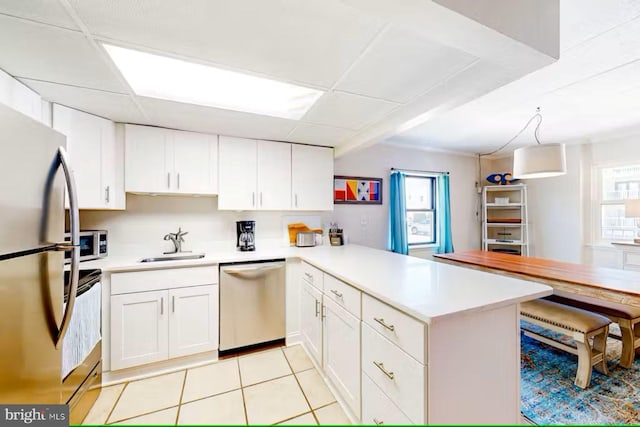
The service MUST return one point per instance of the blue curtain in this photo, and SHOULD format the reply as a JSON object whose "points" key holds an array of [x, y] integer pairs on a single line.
{"points": [[398, 241], [444, 213]]}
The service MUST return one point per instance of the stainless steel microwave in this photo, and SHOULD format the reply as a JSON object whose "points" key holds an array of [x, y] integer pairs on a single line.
{"points": [[93, 245]]}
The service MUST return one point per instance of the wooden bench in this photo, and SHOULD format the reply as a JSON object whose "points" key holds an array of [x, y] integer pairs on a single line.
{"points": [[581, 325], [626, 316]]}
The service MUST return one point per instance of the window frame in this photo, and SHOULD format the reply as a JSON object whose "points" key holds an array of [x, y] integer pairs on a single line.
{"points": [[598, 202], [434, 203]]}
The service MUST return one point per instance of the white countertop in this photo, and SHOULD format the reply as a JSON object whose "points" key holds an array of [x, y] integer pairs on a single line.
{"points": [[426, 290]]}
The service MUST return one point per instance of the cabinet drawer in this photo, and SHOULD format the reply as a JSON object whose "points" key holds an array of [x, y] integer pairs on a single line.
{"points": [[397, 374], [342, 294], [151, 280], [377, 408], [404, 331], [631, 259], [312, 275]]}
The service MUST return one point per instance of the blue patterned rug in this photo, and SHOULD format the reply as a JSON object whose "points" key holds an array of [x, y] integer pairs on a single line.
{"points": [[549, 396]]}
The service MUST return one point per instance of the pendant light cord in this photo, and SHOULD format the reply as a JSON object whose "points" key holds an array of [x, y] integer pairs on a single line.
{"points": [[538, 116]]}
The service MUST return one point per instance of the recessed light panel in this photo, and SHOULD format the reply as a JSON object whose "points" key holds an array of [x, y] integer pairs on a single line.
{"points": [[162, 77]]}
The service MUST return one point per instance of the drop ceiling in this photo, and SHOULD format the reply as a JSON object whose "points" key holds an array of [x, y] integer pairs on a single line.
{"points": [[381, 63], [591, 94]]}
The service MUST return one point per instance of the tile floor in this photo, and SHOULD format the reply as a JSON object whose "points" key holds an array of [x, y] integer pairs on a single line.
{"points": [[276, 386]]}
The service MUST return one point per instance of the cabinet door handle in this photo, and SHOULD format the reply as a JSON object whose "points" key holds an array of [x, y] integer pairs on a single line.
{"points": [[317, 308], [296, 199], [161, 306], [253, 198], [168, 179], [309, 277], [261, 199], [377, 421], [178, 179], [336, 293], [173, 304], [382, 322], [380, 366], [324, 311], [106, 194]]}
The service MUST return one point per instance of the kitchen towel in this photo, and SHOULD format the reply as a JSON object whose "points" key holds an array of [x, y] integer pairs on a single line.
{"points": [[84, 329]]}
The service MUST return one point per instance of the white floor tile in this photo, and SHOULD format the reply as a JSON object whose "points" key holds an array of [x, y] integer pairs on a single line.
{"points": [[103, 405], [317, 392], [148, 395], [224, 408], [274, 401], [298, 358], [332, 414], [164, 417], [306, 419], [263, 366], [211, 379]]}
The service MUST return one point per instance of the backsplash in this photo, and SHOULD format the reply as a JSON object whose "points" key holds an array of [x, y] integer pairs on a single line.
{"points": [[140, 229]]}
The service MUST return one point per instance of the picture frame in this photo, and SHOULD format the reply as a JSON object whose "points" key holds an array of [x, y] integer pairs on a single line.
{"points": [[357, 190]]}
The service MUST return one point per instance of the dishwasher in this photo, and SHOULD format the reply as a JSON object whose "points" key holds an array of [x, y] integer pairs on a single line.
{"points": [[252, 304]]}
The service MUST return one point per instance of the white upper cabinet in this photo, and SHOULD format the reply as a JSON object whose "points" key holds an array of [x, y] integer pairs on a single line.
{"points": [[19, 97], [311, 178], [95, 157], [274, 176], [165, 161], [238, 173]]}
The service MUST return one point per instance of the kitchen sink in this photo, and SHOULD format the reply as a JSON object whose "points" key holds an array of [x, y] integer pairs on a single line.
{"points": [[173, 258]]}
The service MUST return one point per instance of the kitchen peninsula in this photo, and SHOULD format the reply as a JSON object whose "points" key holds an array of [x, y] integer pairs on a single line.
{"points": [[439, 343]]}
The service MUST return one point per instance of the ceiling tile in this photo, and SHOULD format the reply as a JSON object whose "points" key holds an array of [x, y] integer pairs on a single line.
{"points": [[113, 106], [214, 120], [319, 135], [311, 41], [40, 52], [401, 65], [46, 11], [347, 111]]}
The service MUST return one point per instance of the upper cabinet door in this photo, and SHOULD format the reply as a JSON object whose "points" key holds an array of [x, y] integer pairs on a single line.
{"points": [[148, 160], [91, 145], [274, 176], [195, 163], [311, 178], [237, 174]]}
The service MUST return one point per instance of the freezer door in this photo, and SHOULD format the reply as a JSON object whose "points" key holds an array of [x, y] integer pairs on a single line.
{"points": [[29, 152], [31, 295]]}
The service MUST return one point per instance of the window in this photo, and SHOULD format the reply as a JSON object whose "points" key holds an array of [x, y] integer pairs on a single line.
{"points": [[420, 198], [614, 186]]}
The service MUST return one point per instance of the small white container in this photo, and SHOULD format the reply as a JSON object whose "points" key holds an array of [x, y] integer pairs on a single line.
{"points": [[501, 201]]}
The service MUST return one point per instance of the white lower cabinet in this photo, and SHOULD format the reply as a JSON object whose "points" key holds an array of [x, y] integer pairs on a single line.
{"points": [[341, 348], [160, 314], [139, 329], [331, 332], [377, 407], [193, 320], [311, 320]]}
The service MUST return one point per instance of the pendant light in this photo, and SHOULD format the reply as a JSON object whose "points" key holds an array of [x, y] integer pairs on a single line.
{"points": [[536, 161], [540, 160]]}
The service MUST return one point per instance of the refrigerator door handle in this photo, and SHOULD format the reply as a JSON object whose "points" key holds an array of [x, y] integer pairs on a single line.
{"points": [[74, 227]]}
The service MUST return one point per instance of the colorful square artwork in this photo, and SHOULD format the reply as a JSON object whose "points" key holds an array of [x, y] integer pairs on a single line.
{"points": [[357, 190]]}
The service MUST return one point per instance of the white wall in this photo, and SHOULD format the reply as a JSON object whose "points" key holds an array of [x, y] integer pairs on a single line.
{"points": [[140, 229], [368, 225]]}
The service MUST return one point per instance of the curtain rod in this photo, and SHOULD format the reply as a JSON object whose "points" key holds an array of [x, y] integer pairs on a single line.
{"points": [[417, 171]]}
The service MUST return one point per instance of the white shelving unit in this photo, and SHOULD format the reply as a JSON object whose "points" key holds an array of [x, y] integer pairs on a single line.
{"points": [[505, 226]]}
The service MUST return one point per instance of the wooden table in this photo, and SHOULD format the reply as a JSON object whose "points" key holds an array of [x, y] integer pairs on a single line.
{"points": [[566, 278]]}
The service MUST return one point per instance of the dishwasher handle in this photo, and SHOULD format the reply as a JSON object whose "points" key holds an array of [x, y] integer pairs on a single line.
{"points": [[251, 271]]}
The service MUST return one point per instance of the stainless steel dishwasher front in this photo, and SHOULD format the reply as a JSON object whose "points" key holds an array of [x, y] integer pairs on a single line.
{"points": [[252, 303]]}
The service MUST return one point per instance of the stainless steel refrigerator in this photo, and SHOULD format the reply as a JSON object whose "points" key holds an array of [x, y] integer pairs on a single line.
{"points": [[34, 171]]}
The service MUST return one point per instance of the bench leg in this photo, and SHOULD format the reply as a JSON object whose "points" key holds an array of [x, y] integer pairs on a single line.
{"points": [[583, 374], [628, 341], [600, 345]]}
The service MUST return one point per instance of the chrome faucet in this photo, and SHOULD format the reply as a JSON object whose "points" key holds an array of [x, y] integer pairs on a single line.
{"points": [[177, 239]]}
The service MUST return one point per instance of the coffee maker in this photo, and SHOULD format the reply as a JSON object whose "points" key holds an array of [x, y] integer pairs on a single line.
{"points": [[245, 231]]}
